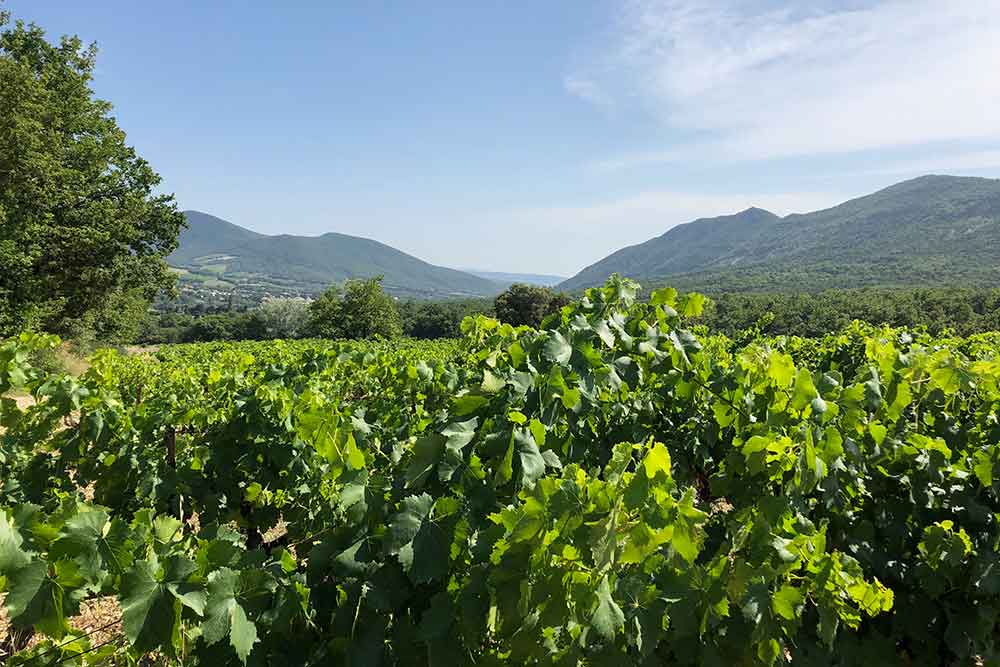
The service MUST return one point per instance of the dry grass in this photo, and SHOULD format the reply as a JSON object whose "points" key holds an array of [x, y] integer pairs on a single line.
{"points": [[141, 350], [70, 361], [23, 402], [100, 616]]}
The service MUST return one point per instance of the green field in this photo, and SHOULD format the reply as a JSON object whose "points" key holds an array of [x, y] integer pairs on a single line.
{"points": [[618, 487]]}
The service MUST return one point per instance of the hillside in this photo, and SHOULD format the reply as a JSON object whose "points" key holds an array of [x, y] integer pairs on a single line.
{"points": [[929, 230], [216, 254]]}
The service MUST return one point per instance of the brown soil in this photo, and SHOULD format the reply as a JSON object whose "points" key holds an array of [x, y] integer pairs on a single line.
{"points": [[100, 616], [24, 402], [141, 350]]}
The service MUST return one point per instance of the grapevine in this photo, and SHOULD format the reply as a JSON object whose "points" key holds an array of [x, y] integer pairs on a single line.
{"points": [[619, 486]]}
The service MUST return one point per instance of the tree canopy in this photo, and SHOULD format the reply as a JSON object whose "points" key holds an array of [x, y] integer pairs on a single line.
{"points": [[361, 310], [83, 231], [527, 304]]}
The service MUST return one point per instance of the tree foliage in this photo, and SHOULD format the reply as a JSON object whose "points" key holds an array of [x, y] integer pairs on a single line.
{"points": [[283, 318], [440, 319], [527, 304], [964, 311], [82, 231], [361, 309]]}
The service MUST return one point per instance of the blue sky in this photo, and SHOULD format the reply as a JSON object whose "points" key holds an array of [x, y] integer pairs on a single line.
{"points": [[539, 136]]}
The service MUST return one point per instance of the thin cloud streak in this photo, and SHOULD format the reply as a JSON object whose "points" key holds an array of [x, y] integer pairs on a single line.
{"points": [[588, 90], [945, 163], [804, 79]]}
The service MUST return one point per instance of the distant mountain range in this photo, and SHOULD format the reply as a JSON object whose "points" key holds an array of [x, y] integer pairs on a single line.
{"points": [[214, 254], [933, 230], [507, 279]]}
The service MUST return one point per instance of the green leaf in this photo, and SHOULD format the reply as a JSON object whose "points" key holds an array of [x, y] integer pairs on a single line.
{"points": [[537, 429], [34, 599], [151, 599], [437, 620], [657, 461], [491, 383], [149, 616], [167, 529], [467, 404], [243, 633], [982, 466], [82, 539], [427, 452], [878, 432], [420, 544], [604, 332], [685, 342], [517, 355], [787, 603], [532, 462], [607, 619], [694, 304], [225, 616], [557, 349], [804, 391], [781, 368], [459, 434], [12, 556], [664, 296]]}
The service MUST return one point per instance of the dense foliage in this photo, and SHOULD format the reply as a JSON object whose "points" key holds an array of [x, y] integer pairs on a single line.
{"points": [[738, 315], [964, 311], [618, 488], [440, 319], [289, 318], [361, 309], [527, 305], [83, 232]]}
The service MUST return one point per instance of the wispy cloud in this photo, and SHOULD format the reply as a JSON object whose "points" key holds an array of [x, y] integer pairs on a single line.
{"points": [[968, 161], [588, 90], [757, 80]]}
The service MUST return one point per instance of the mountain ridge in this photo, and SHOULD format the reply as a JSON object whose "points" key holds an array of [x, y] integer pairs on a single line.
{"points": [[911, 233], [217, 254]]}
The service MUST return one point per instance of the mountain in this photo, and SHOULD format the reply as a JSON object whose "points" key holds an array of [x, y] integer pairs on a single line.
{"points": [[215, 254], [931, 230], [507, 279]]}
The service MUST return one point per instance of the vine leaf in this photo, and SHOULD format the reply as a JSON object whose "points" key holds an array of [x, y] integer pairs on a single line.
{"points": [[558, 349], [12, 556], [149, 596], [532, 462], [225, 616], [419, 544], [608, 618], [787, 602], [34, 599]]}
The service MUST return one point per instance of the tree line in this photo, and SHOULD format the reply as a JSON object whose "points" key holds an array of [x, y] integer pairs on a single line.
{"points": [[963, 311], [359, 308]]}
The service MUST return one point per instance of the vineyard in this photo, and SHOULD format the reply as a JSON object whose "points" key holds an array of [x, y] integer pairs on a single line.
{"points": [[619, 487]]}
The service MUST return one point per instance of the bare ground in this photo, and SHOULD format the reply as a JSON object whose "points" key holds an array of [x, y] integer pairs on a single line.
{"points": [[101, 617]]}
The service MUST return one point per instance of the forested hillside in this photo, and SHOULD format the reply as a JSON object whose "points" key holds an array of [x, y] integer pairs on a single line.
{"points": [[220, 255], [928, 231]]}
